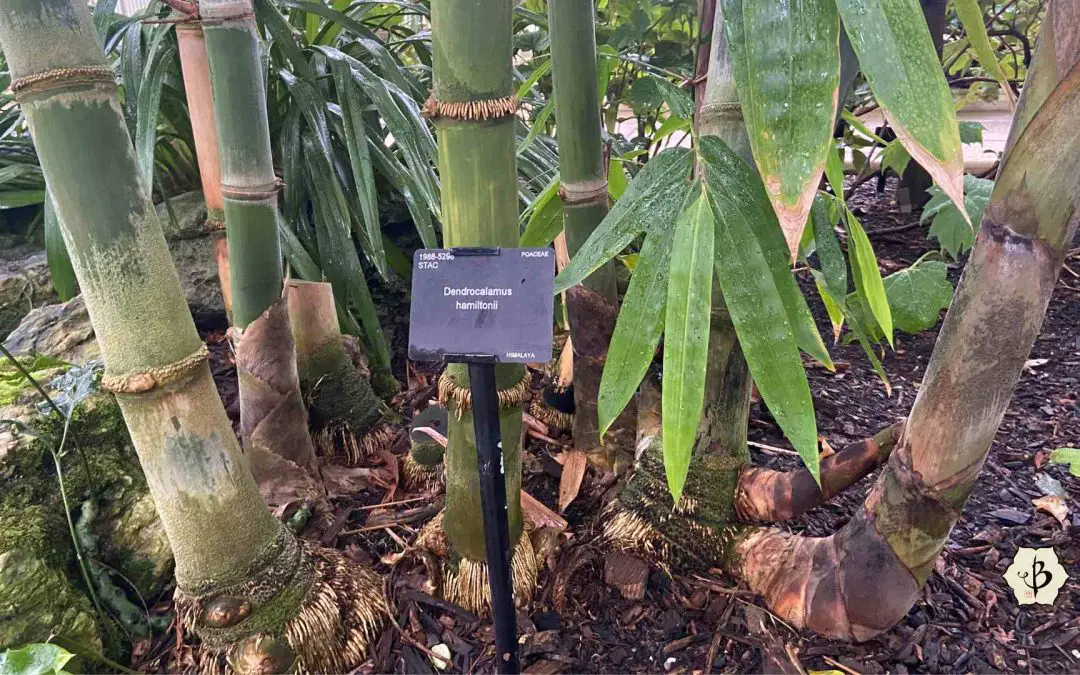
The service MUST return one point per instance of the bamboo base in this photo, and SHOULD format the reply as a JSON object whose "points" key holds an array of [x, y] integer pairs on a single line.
{"points": [[307, 609], [465, 582]]}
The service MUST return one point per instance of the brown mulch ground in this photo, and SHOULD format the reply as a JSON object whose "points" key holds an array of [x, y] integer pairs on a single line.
{"points": [[966, 621]]}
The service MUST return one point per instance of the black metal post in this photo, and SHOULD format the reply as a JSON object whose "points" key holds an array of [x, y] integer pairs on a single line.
{"points": [[485, 410]]}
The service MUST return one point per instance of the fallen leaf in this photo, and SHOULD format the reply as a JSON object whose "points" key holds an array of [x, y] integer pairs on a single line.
{"points": [[573, 472], [1048, 485], [540, 515], [1054, 505]]}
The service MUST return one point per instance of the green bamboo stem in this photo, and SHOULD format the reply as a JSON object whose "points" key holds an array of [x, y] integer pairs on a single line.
{"points": [[472, 49], [207, 500], [703, 526], [249, 186], [584, 192], [272, 412], [245, 584], [200, 99]]}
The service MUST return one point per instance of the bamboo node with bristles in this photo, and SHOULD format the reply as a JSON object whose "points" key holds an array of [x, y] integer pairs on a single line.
{"points": [[551, 416], [487, 109], [144, 380], [451, 392], [61, 76], [467, 584], [340, 605]]}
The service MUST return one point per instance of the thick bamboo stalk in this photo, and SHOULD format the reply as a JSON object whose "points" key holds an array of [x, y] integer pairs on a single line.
{"points": [[473, 104], [244, 583], [584, 193], [345, 410], [863, 579], [272, 412], [200, 99], [702, 530]]}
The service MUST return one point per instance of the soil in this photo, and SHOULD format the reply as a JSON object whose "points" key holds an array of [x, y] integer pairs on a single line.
{"points": [[966, 621]]}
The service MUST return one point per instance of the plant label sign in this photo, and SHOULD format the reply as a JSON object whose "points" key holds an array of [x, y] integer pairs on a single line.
{"points": [[482, 304]]}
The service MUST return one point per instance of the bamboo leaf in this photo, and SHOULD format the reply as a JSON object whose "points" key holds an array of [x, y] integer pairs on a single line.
{"points": [[833, 266], [638, 328], [897, 56], [654, 199], [726, 171], [60, 269], [972, 18], [786, 59], [868, 283], [752, 291], [686, 331]]}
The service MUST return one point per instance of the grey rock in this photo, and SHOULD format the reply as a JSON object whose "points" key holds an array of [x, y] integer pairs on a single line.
{"points": [[193, 252], [62, 331], [24, 284]]}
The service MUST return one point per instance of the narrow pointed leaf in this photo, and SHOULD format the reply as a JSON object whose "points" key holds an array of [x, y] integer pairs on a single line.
{"points": [[725, 171], [686, 341], [359, 156], [787, 56], [897, 56], [638, 328], [868, 282], [654, 199], [153, 79], [972, 18], [545, 217], [831, 256], [754, 297], [60, 269]]}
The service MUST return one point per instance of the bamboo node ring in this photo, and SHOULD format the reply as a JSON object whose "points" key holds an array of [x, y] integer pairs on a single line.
{"points": [[60, 76], [461, 397], [144, 380], [487, 109]]}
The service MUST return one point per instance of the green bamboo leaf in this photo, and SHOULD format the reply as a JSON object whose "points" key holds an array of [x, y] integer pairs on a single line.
{"points": [[726, 171], [868, 282], [686, 336], [158, 60], [60, 269], [545, 217], [403, 182], [654, 199], [972, 18], [834, 172], [897, 56], [786, 58], [638, 328], [754, 297], [829, 253]]}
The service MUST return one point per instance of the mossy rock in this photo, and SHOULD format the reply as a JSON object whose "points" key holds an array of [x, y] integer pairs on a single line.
{"points": [[38, 601], [131, 538]]}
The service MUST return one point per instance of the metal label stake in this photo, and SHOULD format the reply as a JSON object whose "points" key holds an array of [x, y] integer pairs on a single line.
{"points": [[483, 306]]}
